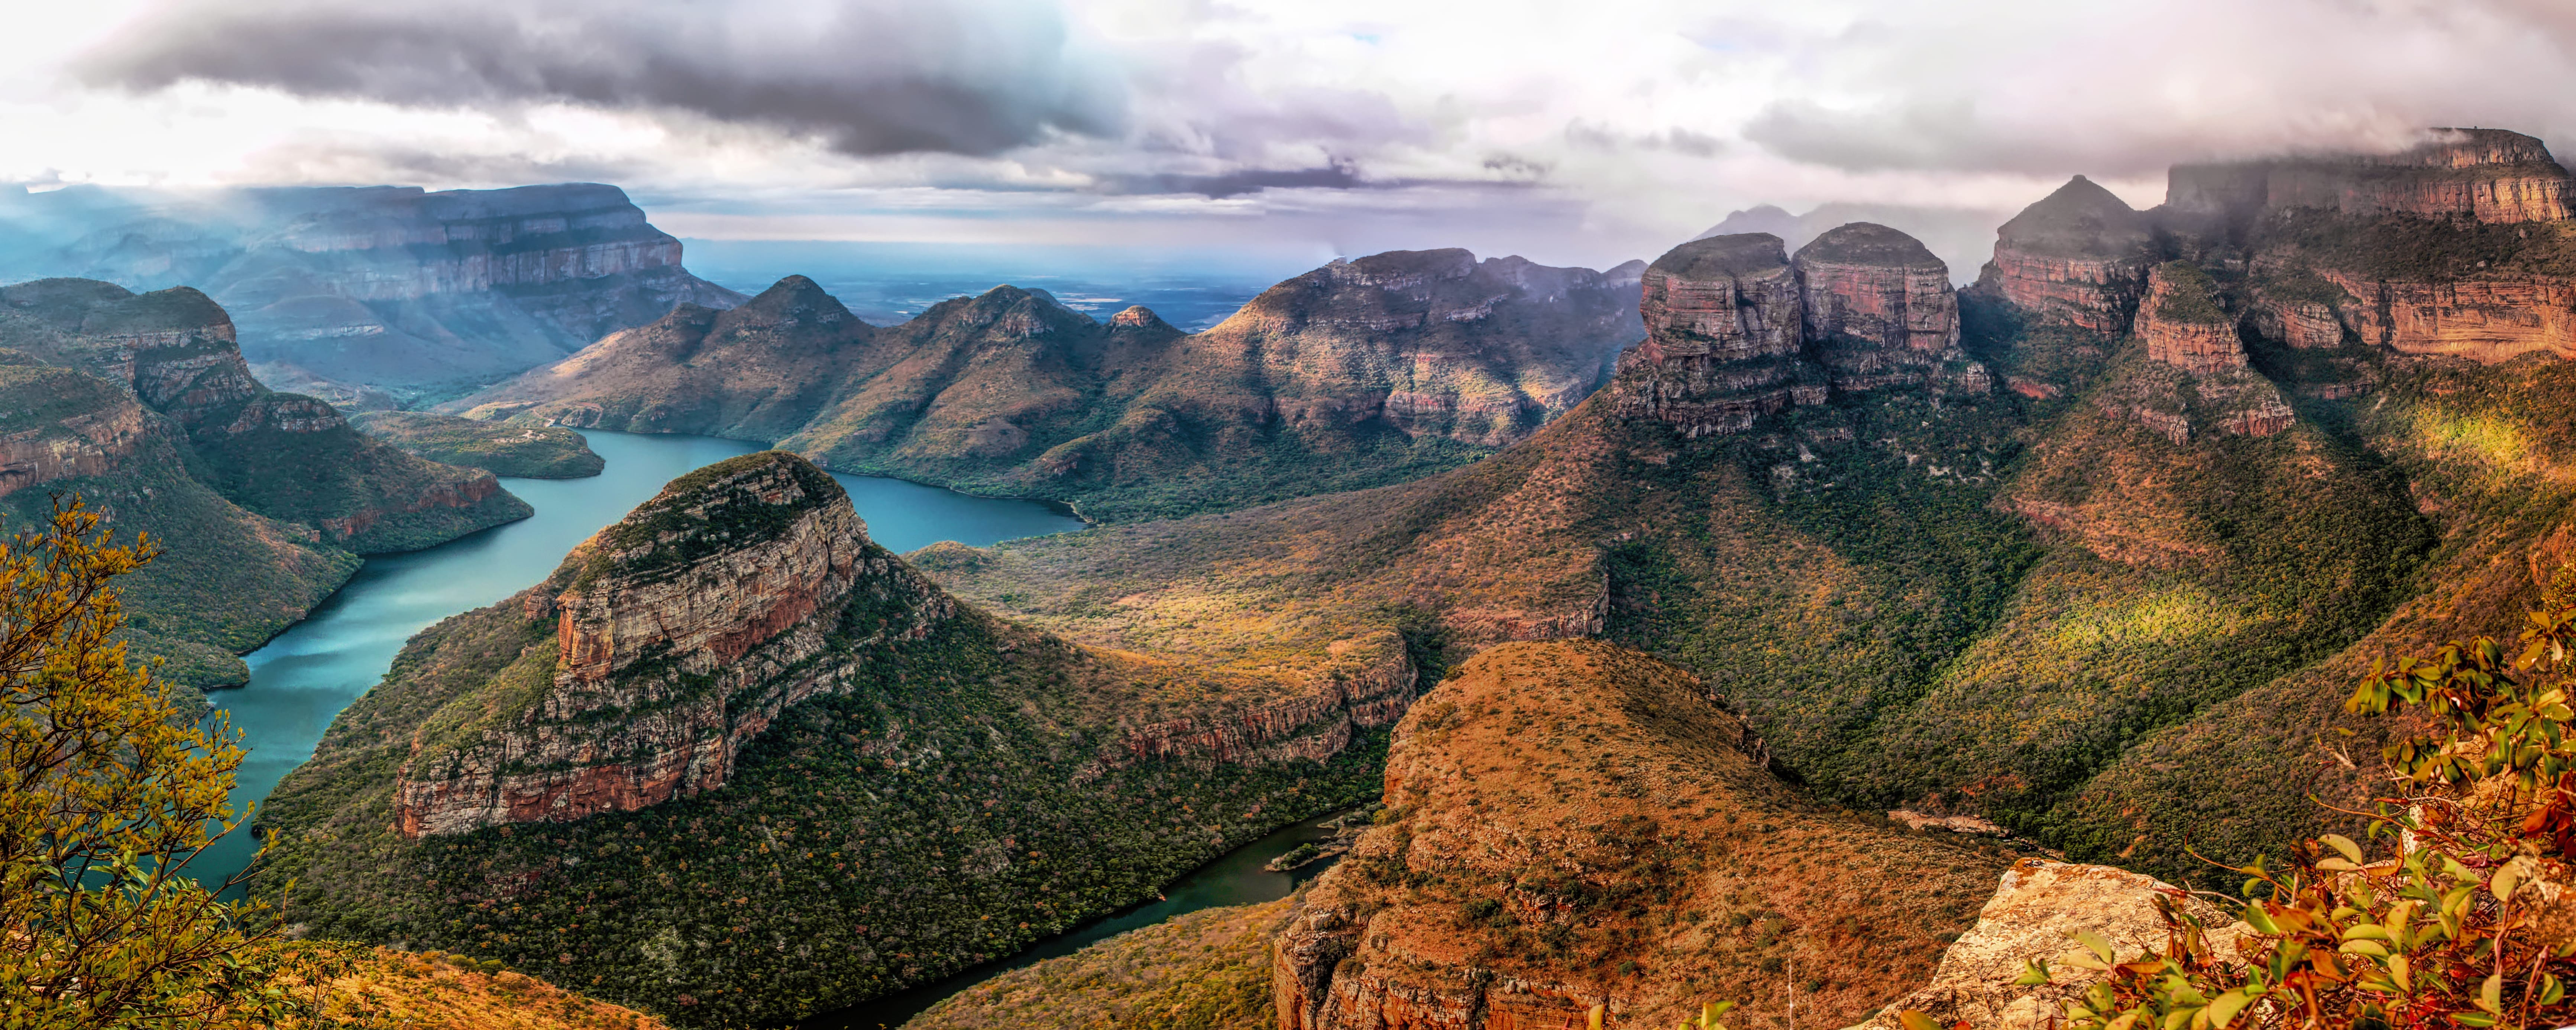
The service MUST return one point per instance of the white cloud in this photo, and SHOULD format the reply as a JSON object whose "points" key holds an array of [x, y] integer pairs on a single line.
{"points": [[1599, 130]]}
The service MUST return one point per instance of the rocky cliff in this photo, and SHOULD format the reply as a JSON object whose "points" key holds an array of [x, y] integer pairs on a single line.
{"points": [[1571, 824], [1725, 338], [393, 287], [1879, 308], [2483, 175], [677, 635], [282, 455], [1356, 374], [2079, 256], [733, 686]]}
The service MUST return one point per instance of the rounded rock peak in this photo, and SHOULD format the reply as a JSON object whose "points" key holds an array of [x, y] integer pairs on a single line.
{"points": [[1869, 243], [2080, 219], [733, 504], [1137, 316], [1724, 257]]}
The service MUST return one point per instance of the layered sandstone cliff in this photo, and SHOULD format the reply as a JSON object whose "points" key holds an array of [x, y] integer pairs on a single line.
{"points": [[680, 632], [2483, 175], [2079, 256], [1725, 329], [2182, 323], [282, 455], [1571, 824], [395, 287], [1878, 307]]}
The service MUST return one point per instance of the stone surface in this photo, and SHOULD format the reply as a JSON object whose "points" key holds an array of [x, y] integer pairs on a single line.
{"points": [[395, 287], [1725, 329], [681, 631], [2078, 256], [2183, 324], [1878, 307], [2037, 905], [2484, 175], [2485, 318]]}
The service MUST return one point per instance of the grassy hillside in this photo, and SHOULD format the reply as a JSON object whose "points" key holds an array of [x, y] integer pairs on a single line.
{"points": [[534, 452], [1207, 970]]}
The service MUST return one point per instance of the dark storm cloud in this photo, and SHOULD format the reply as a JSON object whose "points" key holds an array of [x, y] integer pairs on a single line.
{"points": [[865, 77]]}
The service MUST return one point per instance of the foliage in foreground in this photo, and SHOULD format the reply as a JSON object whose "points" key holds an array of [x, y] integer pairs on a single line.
{"points": [[104, 797], [2467, 920]]}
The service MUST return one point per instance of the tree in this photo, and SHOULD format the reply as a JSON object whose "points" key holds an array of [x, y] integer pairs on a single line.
{"points": [[105, 796]]}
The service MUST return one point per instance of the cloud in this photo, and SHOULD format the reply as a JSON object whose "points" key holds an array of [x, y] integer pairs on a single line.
{"points": [[2021, 86], [863, 77]]}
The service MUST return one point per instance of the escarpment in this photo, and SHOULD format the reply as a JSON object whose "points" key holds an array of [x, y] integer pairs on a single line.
{"points": [[394, 287], [732, 684], [678, 636], [2079, 256], [1571, 824], [1358, 374], [282, 455], [2481, 175]]}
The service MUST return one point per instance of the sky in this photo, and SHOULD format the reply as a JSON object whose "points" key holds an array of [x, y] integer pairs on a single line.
{"points": [[1571, 132]]}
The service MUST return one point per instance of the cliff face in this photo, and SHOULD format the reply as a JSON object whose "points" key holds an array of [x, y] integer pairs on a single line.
{"points": [[732, 682], [1878, 306], [668, 653], [1724, 334], [1571, 823], [2183, 324], [2078, 256], [2483, 175], [282, 455], [396, 288], [1353, 375]]}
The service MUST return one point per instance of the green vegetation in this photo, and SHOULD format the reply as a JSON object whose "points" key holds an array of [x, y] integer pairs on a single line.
{"points": [[1207, 970], [105, 793], [535, 452], [365, 495], [2408, 247], [2192, 298], [952, 803]]}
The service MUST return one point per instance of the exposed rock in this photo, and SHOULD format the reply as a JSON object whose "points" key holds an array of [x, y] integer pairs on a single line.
{"points": [[681, 631], [2182, 323], [1370, 686], [1724, 328], [2078, 256], [2487, 318], [2484, 175], [1570, 823], [394, 287], [1878, 307], [2035, 908]]}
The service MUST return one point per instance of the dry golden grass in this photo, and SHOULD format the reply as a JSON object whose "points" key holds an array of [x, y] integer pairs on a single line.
{"points": [[1207, 970], [429, 992]]}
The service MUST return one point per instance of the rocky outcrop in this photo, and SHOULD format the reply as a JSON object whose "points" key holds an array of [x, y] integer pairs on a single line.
{"points": [[2183, 324], [1879, 308], [2078, 256], [2033, 913], [1370, 685], [73, 425], [680, 632], [2482, 175], [282, 455], [1724, 338], [396, 287], [2488, 318], [1568, 824]]}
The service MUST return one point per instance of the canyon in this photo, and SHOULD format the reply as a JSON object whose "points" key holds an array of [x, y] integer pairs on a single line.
{"points": [[384, 291], [143, 406], [1358, 374]]}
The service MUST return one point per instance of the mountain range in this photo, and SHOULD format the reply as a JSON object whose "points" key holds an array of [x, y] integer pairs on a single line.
{"points": [[1784, 624]]}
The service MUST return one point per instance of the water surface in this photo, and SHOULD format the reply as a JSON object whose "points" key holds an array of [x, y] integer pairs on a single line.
{"points": [[302, 679]]}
